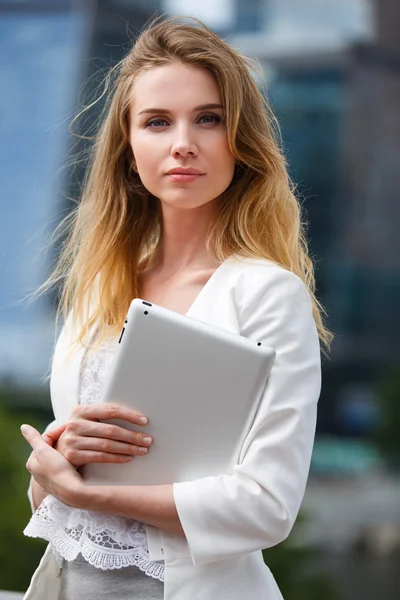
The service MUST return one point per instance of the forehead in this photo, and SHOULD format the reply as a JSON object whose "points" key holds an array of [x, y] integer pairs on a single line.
{"points": [[173, 86]]}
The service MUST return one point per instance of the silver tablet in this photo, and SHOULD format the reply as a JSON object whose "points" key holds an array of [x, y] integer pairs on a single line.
{"points": [[200, 387]]}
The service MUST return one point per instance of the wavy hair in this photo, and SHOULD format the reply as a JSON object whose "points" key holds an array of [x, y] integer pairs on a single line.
{"points": [[116, 226]]}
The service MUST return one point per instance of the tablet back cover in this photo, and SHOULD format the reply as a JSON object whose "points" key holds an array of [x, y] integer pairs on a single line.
{"points": [[200, 387]]}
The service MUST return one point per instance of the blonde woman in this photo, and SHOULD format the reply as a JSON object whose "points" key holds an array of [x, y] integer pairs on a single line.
{"points": [[187, 204]]}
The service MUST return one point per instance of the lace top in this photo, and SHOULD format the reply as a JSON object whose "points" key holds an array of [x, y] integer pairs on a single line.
{"points": [[105, 541]]}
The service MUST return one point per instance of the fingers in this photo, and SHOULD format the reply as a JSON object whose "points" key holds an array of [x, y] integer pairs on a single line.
{"points": [[51, 435], [32, 436], [107, 431], [87, 438], [86, 457], [81, 450], [77, 454], [105, 412]]}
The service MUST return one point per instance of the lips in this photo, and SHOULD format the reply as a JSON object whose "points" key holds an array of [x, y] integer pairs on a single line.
{"points": [[182, 175], [184, 171]]}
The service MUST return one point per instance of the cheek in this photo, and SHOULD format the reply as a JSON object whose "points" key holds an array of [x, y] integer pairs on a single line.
{"points": [[147, 158], [219, 148], [145, 153], [224, 162]]}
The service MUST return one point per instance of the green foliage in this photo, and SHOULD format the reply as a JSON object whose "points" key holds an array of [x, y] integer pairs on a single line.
{"points": [[387, 435], [19, 555], [295, 571]]}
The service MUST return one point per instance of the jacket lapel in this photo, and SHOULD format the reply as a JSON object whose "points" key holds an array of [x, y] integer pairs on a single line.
{"points": [[215, 304], [64, 382]]}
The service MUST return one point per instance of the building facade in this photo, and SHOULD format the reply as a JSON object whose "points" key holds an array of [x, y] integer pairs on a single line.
{"points": [[48, 49]]}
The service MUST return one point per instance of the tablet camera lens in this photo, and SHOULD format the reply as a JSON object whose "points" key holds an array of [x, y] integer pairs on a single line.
{"points": [[259, 344], [146, 312]]}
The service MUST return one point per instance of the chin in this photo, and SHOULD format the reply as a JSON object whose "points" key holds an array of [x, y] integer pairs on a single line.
{"points": [[184, 201]]}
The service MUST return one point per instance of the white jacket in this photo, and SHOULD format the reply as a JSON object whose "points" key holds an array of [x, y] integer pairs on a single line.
{"points": [[228, 519]]}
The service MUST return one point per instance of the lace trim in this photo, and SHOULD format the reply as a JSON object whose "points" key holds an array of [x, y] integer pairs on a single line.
{"points": [[101, 546]]}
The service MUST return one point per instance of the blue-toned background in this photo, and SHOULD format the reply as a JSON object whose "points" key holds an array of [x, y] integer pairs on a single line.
{"points": [[332, 70], [40, 64]]}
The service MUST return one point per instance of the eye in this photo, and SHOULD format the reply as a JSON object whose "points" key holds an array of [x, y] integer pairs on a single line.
{"points": [[156, 122], [210, 118]]}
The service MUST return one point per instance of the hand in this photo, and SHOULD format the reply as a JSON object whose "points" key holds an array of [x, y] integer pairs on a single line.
{"points": [[50, 469], [38, 493], [85, 440], [51, 435]]}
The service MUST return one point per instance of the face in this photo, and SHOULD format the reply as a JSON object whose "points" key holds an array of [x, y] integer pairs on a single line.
{"points": [[178, 136]]}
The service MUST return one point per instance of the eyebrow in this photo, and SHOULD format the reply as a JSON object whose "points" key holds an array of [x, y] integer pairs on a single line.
{"points": [[154, 111]]}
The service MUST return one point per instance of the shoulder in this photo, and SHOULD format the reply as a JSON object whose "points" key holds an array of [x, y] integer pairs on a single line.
{"points": [[273, 304], [258, 280]]}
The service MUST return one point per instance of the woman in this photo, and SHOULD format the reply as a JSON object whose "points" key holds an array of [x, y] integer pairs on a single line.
{"points": [[188, 205]]}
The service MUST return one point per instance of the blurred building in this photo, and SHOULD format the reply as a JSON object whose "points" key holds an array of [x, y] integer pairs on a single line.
{"points": [[333, 80], [47, 49], [371, 241], [250, 15], [41, 50]]}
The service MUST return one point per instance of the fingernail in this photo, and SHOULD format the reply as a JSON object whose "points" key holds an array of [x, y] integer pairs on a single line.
{"points": [[143, 420], [24, 428], [147, 440], [142, 450]]}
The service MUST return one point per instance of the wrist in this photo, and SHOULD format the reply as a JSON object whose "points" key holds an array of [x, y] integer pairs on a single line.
{"points": [[37, 494], [90, 497], [75, 496]]}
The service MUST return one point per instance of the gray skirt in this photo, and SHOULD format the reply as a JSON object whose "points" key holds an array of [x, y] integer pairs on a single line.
{"points": [[80, 580]]}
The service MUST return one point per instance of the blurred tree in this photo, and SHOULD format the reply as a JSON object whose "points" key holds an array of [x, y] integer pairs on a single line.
{"points": [[19, 555], [387, 434], [295, 568]]}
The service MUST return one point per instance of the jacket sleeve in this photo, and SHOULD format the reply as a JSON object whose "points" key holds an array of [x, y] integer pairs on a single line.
{"points": [[256, 506]]}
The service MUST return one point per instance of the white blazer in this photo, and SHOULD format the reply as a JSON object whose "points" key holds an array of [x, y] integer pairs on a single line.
{"points": [[229, 519]]}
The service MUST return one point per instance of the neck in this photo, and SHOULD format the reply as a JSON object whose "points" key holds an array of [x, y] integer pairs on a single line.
{"points": [[183, 236]]}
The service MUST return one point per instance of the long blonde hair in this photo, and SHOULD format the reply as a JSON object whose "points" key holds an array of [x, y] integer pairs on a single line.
{"points": [[117, 224]]}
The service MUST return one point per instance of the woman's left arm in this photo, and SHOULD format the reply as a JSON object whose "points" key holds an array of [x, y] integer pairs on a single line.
{"points": [[256, 506]]}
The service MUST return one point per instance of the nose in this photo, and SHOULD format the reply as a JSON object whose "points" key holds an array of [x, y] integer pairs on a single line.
{"points": [[184, 143]]}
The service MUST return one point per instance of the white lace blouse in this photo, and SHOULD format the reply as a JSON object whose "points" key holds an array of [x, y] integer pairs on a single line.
{"points": [[105, 541]]}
